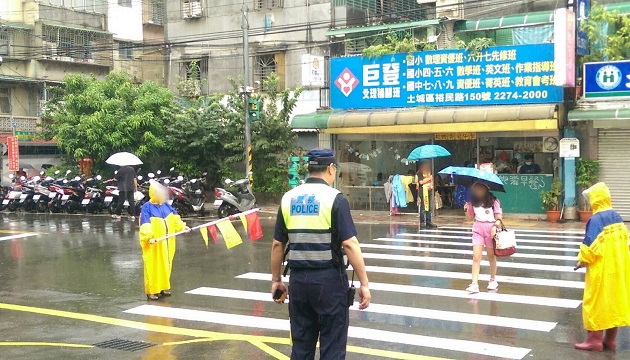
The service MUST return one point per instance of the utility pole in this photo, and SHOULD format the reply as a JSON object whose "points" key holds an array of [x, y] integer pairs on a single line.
{"points": [[248, 134]]}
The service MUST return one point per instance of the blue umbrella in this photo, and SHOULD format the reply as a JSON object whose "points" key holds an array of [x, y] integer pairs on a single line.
{"points": [[427, 152], [468, 176]]}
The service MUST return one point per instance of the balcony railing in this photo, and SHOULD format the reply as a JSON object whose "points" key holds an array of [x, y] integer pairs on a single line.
{"points": [[22, 123]]}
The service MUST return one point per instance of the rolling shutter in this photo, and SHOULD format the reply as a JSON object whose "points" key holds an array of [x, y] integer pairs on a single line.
{"points": [[613, 150]]}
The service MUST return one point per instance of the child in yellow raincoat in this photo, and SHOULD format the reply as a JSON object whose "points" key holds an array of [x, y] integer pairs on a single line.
{"points": [[604, 253], [157, 219]]}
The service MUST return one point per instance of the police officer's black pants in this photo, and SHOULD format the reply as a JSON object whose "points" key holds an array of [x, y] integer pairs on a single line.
{"points": [[318, 308]]}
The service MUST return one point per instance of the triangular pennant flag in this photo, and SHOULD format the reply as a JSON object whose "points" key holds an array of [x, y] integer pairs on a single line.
{"points": [[244, 220], [204, 234], [253, 226], [213, 231], [229, 233]]}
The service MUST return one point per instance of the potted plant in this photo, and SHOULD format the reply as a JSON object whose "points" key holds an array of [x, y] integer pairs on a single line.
{"points": [[587, 172], [551, 201]]}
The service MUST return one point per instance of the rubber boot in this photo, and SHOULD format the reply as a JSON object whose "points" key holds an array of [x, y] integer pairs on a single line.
{"points": [[594, 342], [610, 340]]}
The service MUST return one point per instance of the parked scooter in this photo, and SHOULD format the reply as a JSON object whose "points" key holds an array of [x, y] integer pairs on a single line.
{"points": [[241, 199], [93, 200], [12, 199], [187, 197]]}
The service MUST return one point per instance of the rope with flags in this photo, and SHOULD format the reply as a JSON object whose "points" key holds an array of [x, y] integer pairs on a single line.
{"points": [[249, 218]]}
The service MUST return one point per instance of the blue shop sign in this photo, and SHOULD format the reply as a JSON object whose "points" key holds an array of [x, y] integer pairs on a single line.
{"points": [[501, 75], [607, 79], [583, 8]]}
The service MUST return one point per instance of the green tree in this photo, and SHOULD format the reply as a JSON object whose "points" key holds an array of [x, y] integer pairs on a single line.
{"points": [[195, 138], [272, 137], [93, 119], [602, 44], [396, 43]]}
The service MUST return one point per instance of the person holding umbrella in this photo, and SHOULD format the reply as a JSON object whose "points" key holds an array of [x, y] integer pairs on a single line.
{"points": [[486, 210], [425, 197], [127, 181], [424, 184]]}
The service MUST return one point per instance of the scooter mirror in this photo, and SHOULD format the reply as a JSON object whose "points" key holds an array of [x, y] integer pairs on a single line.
{"points": [[65, 181], [116, 172], [57, 172], [151, 175], [159, 172], [36, 178], [78, 178], [180, 178], [41, 173], [140, 177], [22, 178], [99, 177], [228, 181], [204, 174], [172, 169], [193, 181], [167, 181], [68, 172], [11, 176]]}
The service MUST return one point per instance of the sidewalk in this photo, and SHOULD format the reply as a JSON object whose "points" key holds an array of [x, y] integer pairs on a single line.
{"points": [[382, 217]]}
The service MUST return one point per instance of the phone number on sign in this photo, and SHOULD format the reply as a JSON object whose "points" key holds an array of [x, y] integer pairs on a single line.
{"points": [[524, 95]]}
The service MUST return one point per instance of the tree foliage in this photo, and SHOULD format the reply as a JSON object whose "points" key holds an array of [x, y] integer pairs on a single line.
{"points": [[395, 43], [93, 119], [475, 46], [605, 46]]}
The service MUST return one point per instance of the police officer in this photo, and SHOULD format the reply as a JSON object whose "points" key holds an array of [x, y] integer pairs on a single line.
{"points": [[315, 220]]}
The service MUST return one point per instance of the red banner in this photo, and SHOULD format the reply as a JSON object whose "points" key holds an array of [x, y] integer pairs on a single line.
{"points": [[14, 153]]}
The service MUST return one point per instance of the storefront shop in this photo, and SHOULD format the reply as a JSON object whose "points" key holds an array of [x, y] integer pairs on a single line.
{"points": [[494, 109], [604, 112]]}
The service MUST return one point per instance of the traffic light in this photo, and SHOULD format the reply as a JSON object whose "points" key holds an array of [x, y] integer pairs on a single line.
{"points": [[254, 110]]}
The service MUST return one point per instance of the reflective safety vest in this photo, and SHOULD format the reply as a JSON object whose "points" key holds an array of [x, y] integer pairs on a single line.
{"points": [[307, 212]]}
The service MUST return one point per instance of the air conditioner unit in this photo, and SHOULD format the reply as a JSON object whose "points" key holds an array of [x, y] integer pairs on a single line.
{"points": [[195, 9]]}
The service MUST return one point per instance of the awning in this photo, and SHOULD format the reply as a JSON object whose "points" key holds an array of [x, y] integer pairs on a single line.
{"points": [[396, 26], [527, 19], [608, 114], [15, 26], [449, 120], [76, 27], [310, 122], [19, 79]]}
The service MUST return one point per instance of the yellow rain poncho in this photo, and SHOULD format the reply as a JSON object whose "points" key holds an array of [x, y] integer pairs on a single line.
{"points": [[605, 254], [157, 219]]}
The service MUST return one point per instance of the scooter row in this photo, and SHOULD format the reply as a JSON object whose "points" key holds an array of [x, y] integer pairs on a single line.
{"points": [[93, 195]]}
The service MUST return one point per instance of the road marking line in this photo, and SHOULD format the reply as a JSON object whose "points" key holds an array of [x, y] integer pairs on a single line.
{"points": [[269, 350], [576, 232], [474, 347], [469, 244], [468, 262], [433, 291], [465, 252], [518, 240], [515, 323], [483, 277], [518, 234], [32, 343], [172, 330], [19, 236]]}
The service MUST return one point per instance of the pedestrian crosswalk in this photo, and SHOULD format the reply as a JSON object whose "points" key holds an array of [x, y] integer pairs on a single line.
{"points": [[418, 298], [17, 236]]}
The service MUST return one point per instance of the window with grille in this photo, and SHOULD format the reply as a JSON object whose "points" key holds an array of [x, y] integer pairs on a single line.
{"points": [[156, 12], [267, 64], [268, 4], [192, 9], [195, 69], [125, 3], [4, 41], [68, 44], [5, 101], [125, 50]]}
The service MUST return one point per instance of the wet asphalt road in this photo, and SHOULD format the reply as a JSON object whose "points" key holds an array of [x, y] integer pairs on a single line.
{"points": [[78, 281]]}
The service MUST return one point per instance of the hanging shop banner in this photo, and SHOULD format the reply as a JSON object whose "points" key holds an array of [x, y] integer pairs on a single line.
{"points": [[500, 75], [564, 47], [455, 136], [607, 79], [583, 7], [14, 153]]}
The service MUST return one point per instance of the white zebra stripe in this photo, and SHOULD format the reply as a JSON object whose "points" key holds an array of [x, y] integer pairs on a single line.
{"points": [[468, 244]]}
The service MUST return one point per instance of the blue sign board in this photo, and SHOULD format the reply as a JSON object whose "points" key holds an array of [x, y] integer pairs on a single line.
{"points": [[607, 79], [501, 75], [583, 7]]}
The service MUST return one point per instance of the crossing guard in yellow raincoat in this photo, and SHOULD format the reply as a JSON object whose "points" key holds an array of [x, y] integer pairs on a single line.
{"points": [[604, 253], [157, 219]]}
